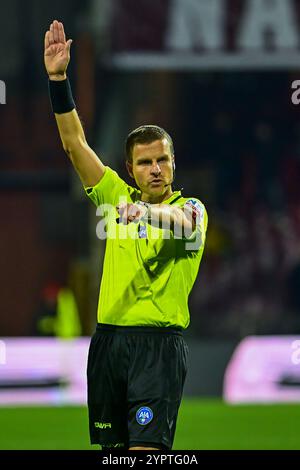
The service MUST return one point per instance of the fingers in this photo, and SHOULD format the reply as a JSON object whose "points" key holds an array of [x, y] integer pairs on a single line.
{"points": [[51, 37], [68, 45], [61, 31], [47, 43], [128, 212], [121, 208], [56, 33], [133, 212], [123, 211]]}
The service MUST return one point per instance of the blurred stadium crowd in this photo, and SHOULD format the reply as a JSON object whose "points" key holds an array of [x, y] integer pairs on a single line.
{"points": [[237, 143], [250, 138]]}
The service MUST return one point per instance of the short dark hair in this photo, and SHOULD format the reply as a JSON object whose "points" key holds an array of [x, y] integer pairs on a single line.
{"points": [[145, 135]]}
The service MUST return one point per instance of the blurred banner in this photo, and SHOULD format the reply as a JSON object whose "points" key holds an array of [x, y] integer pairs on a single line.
{"points": [[43, 371], [204, 34], [47, 371], [264, 369]]}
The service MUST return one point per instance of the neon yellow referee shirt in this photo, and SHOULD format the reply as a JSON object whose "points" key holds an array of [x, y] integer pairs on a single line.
{"points": [[148, 273]]}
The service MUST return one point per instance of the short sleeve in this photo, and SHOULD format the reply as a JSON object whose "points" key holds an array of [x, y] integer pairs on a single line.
{"points": [[110, 189], [199, 214]]}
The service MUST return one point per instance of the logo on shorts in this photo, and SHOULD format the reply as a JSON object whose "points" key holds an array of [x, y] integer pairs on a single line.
{"points": [[102, 425], [144, 415]]}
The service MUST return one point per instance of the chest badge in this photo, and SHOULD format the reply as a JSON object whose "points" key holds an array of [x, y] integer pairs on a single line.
{"points": [[142, 231]]}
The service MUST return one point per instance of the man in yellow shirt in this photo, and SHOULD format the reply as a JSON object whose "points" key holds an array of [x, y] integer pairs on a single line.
{"points": [[155, 239]]}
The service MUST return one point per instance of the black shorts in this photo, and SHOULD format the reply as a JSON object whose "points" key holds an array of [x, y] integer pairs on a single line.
{"points": [[135, 382]]}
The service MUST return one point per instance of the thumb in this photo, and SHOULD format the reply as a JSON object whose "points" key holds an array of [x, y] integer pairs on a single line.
{"points": [[68, 45]]}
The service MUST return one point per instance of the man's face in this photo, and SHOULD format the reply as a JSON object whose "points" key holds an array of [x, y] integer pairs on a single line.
{"points": [[152, 167]]}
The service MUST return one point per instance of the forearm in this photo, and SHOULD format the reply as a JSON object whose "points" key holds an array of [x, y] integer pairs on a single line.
{"points": [[84, 159], [70, 130], [63, 105], [172, 218]]}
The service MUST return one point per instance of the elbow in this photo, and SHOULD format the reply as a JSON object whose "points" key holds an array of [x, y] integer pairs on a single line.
{"points": [[188, 231], [185, 225], [69, 152], [189, 228], [73, 145]]}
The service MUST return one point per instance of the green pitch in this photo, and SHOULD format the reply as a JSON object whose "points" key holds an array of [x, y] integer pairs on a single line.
{"points": [[202, 424]]}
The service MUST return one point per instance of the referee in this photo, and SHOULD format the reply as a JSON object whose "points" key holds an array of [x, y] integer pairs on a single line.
{"points": [[155, 239]]}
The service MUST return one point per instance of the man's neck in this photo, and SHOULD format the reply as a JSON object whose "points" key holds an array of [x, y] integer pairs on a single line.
{"points": [[157, 199]]}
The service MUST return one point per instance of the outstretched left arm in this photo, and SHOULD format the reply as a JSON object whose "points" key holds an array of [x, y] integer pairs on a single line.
{"points": [[159, 215]]}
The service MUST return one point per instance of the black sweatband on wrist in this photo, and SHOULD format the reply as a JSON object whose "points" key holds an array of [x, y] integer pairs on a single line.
{"points": [[61, 96]]}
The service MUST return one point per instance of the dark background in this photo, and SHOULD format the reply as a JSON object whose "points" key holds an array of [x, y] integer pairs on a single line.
{"points": [[237, 148]]}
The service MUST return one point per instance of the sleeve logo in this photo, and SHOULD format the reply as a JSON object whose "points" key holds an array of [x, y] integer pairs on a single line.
{"points": [[196, 208]]}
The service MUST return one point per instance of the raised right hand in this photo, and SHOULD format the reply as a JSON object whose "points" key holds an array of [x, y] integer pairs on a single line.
{"points": [[57, 51]]}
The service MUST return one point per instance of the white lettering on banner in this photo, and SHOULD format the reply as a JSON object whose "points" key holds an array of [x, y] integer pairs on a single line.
{"points": [[296, 354], [295, 95], [2, 352], [268, 16], [195, 24], [2, 92], [218, 35]]}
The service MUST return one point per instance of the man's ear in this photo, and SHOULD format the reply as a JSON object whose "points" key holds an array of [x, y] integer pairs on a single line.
{"points": [[129, 168]]}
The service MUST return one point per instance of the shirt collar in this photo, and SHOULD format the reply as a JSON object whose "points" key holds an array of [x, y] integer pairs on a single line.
{"points": [[173, 196]]}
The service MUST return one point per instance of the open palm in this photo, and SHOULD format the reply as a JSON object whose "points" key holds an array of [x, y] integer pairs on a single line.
{"points": [[57, 50]]}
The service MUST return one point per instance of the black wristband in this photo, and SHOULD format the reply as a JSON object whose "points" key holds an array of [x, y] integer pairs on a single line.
{"points": [[61, 96]]}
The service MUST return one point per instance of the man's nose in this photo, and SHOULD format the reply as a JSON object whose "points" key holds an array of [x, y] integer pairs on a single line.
{"points": [[155, 168]]}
